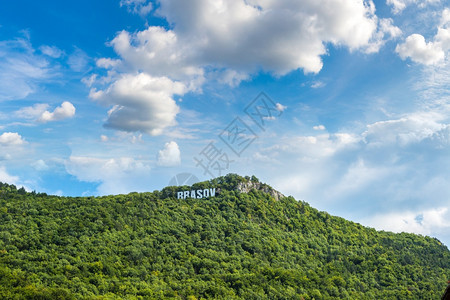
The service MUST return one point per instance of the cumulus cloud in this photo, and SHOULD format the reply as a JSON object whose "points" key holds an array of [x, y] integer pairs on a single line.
{"points": [[11, 139], [170, 155], [276, 36], [66, 110], [158, 52], [39, 112], [140, 103], [428, 53], [115, 175], [227, 41], [420, 51]]}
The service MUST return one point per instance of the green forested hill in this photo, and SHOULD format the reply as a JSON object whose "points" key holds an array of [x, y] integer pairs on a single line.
{"points": [[235, 245]]}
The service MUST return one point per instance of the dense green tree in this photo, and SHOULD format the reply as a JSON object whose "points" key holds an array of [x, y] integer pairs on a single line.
{"points": [[235, 245]]}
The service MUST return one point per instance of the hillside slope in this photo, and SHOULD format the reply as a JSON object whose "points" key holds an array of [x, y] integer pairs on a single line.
{"points": [[247, 242]]}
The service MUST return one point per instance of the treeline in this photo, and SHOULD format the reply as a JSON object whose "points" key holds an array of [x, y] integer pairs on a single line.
{"points": [[233, 246]]}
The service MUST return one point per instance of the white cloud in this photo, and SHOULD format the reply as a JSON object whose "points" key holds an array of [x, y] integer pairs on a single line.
{"points": [[443, 38], [424, 222], [317, 84], [307, 149], [140, 103], [12, 148], [227, 41], [441, 139], [280, 107], [78, 60], [428, 53], [386, 31], [39, 112], [263, 158], [40, 165], [22, 69], [420, 51], [319, 127], [399, 5], [170, 155], [122, 137], [394, 165], [11, 179], [276, 36], [386, 26], [358, 176], [136, 139], [243, 37], [11, 139], [107, 63], [412, 128], [445, 19], [7, 178], [140, 7], [230, 77], [32, 112], [51, 51], [158, 52], [66, 110], [90, 80], [115, 175]]}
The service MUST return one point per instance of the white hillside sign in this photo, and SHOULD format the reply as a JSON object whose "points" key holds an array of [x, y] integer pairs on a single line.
{"points": [[197, 194]]}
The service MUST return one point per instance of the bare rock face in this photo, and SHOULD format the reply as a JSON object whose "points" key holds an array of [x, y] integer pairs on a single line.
{"points": [[245, 187]]}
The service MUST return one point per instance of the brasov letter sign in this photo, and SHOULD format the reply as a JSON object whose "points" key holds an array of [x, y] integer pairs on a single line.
{"points": [[197, 194]]}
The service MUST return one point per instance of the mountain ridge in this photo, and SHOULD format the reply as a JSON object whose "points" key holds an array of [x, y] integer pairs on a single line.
{"points": [[241, 244]]}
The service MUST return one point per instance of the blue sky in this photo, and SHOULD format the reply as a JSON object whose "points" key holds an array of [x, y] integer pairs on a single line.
{"points": [[108, 97]]}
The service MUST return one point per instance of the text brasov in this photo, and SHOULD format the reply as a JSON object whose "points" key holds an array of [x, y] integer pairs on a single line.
{"points": [[197, 194]]}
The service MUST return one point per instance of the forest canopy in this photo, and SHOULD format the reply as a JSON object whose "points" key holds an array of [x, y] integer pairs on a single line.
{"points": [[239, 244]]}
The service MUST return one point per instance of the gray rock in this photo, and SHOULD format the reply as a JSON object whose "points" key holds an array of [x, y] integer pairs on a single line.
{"points": [[245, 187]]}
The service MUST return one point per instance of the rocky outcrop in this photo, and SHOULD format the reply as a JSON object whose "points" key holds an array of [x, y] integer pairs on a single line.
{"points": [[245, 187]]}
